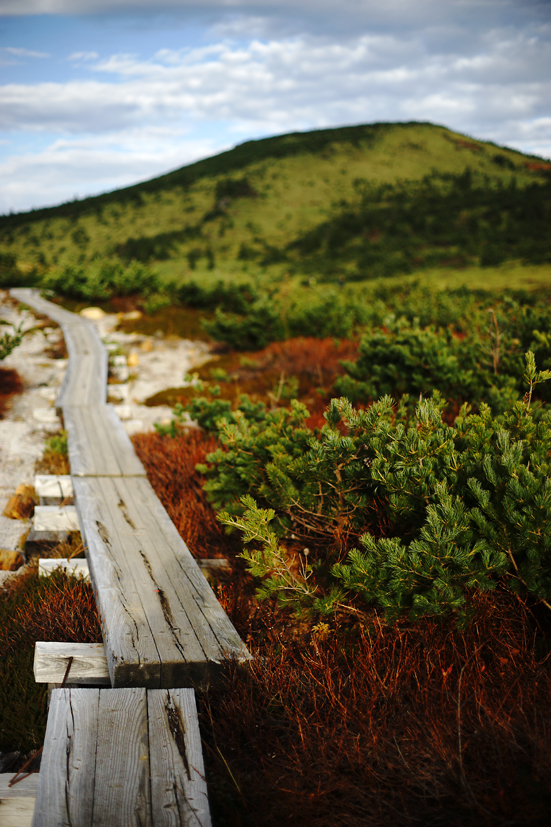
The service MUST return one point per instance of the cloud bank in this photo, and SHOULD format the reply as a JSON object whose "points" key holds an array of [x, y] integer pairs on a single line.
{"points": [[133, 116]]}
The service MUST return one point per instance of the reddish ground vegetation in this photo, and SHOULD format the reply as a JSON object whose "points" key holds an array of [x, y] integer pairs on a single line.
{"points": [[409, 724], [170, 466], [10, 385], [58, 608], [304, 368], [33, 608]]}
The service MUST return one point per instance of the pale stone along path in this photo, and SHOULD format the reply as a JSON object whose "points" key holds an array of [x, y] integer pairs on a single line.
{"points": [[31, 417]]}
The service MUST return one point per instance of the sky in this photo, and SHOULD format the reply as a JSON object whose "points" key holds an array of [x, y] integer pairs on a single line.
{"points": [[99, 94]]}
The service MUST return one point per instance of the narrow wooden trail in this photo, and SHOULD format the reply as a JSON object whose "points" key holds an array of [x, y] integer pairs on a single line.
{"points": [[131, 754], [162, 625]]}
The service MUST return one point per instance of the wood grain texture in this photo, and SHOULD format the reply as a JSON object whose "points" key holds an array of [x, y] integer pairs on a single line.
{"points": [[132, 655], [65, 793], [24, 789], [122, 758], [98, 443], [122, 789], [89, 664], [174, 613], [16, 812], [178, 788]]}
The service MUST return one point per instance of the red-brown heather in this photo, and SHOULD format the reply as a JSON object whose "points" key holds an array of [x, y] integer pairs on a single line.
{"points": [[406, 724]]}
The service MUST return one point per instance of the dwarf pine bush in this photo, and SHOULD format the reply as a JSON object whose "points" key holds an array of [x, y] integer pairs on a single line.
{"points": [[399, 510]]}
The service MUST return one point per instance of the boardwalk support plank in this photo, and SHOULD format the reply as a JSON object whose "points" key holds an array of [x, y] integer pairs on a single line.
{"points": [[88, 667]]}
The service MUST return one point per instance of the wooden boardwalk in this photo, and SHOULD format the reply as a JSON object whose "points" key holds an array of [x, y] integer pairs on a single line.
{"points": [[152, 777], [162, 625]]}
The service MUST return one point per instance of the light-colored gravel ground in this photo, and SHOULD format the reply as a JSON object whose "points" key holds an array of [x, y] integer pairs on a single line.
{"points": [[161, 363]]}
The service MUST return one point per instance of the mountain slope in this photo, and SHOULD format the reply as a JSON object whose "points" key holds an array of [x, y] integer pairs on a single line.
{"points": [[336, 204]]}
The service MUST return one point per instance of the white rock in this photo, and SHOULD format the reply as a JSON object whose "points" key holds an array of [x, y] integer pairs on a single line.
{"points": [[95, 314], [46, 416], [124, 412]]}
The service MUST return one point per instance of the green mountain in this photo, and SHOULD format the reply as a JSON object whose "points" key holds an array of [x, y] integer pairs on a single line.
{"points": [[332, 205]]}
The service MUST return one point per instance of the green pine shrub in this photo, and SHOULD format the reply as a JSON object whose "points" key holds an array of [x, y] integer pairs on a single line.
{"points": [[387, 507], [102, 279]]}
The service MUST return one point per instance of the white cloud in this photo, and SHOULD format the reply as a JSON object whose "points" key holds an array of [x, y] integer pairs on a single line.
{"points": [[310, 81], [83, 56], [88, 166], [18, 52]]}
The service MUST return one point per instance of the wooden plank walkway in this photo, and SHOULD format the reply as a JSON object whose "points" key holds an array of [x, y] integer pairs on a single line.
{"points": [[122, 758], [162, 625]]}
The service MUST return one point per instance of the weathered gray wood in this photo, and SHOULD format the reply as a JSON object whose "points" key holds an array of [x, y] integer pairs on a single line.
{"points": [[85, 381], [178, 788], [25, 789], [55, 518], [75, 567], [162, 624], [51, 485], [98, 443], [122, 758], [122, 790], [65, 794], [119, 584], [174, 566], [89, 665]]}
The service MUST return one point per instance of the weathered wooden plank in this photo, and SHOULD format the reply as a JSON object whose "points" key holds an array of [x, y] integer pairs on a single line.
{"points": [[51, 485], [25, 789], [65, 794], [16, 812], [178, 657], [89, 665], [17, 802], [122, 790], [121, 443], [119, 583], [55, 518], [173, 566], [95, 765], [193, 636], [90, 451], [176, 760], [75, 567], [86, 376], [98, 443], [187, 655], [122, 758]]}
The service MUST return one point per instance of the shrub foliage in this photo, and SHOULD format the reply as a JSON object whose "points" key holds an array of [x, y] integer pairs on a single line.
{"points": [[387, 506]]}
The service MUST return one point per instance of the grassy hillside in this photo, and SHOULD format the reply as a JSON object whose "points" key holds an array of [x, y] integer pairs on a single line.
{"points": [[333, 205]]}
